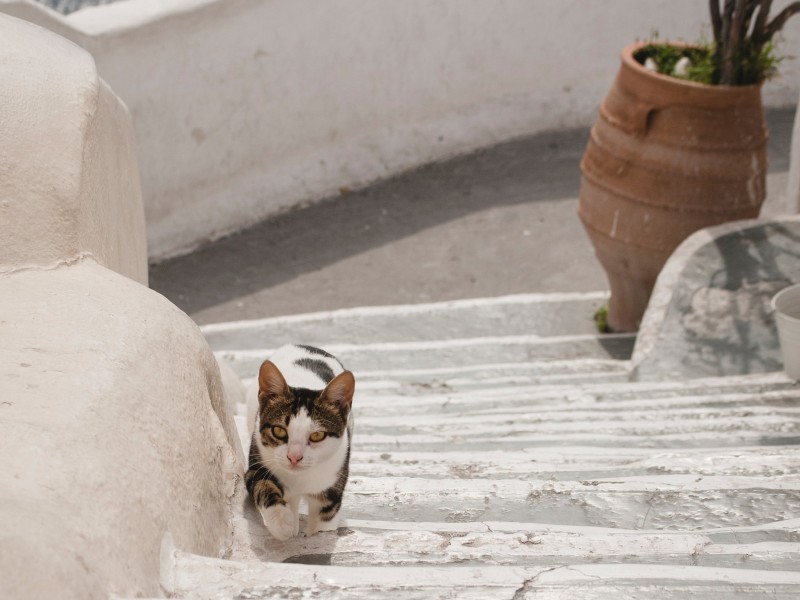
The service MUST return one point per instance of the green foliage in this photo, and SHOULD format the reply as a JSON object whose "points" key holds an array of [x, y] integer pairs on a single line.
{"points": [[742, 51], [601, 319], [750, 65], [666, 57]]}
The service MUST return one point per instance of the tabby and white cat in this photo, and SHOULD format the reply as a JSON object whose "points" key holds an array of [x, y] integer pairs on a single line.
{"points": [[300, 445]]}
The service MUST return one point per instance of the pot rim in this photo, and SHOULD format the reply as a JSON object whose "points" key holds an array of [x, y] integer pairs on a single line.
{"points": [[628, 60], [795, 287]]}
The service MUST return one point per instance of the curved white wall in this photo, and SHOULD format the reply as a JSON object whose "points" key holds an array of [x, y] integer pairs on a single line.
{"points": [[246, 107], [69, 185], [116, 433]]}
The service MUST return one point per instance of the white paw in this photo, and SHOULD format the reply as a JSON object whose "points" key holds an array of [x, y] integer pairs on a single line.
{"points": [[280, 521]]}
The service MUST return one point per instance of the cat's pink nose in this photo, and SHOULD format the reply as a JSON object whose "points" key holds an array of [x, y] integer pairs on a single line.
{"points": [[294, 458]]}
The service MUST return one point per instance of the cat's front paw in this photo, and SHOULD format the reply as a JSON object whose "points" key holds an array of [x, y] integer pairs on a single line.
{"points": [[315, 525], [280, 521]]}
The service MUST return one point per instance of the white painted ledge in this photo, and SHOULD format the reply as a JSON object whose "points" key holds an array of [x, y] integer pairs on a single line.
{"points": [[69, 181]]}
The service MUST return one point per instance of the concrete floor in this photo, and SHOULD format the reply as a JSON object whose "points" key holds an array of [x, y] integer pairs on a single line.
{"points": [[499, 221]]}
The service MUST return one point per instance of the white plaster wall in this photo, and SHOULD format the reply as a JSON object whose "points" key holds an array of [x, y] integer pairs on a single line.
{"points": [[792, 204], [246, 107], [116, 432], [69, 185]]}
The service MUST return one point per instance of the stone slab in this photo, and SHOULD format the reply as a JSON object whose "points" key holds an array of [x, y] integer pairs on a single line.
{"points": [[710, 312], [544, 315], [219, 580]]}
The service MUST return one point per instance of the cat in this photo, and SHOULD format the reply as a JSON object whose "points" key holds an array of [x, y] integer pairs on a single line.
{"points": [[302, 427]]}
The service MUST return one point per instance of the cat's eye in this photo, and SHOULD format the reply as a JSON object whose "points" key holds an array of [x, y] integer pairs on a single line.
{"points": [[279, 432], [317, 436]]}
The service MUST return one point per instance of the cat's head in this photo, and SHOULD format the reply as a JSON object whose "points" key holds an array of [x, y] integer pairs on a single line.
{"points": [[302, 427]]}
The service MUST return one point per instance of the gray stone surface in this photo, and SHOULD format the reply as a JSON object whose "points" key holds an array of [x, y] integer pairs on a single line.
{"points": [[496, 222], [540, 315], [710, 313]]}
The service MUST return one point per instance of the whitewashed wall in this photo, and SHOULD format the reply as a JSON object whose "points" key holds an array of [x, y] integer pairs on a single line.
{"points": [[246, 107], [116, 432], [792, 204]]}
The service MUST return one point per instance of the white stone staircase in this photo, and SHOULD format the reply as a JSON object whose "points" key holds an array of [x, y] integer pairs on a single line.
{"points": [[500, 452]]}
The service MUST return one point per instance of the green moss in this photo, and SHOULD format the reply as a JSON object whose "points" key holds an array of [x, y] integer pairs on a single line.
{"points": [[601, 319]]}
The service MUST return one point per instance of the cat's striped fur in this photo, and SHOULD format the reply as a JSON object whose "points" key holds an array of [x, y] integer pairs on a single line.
{"points": [[301, 434]]}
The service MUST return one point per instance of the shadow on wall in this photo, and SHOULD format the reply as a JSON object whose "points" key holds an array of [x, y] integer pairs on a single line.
{"points": [[543, 167]]}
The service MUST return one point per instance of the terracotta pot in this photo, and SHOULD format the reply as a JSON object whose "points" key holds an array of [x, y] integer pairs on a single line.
{"points": [[665, 158]]}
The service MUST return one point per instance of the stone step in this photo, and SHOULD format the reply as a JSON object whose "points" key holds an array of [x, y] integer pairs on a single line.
{"points": [[376, 543], [493, 404], [578, 463], [774, 390], [480, 472], [709, 413], [419, 382], [658, 502], [542, 315], [641, 430], [453, 353], [510, 418], [491, 376], [198, 578]]}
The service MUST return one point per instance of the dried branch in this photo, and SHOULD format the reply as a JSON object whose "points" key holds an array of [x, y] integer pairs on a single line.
{"points": [[739, 15], [778, 22], [734, 21], [760, 27], [716, 20], [750, 8], [727, 20]]}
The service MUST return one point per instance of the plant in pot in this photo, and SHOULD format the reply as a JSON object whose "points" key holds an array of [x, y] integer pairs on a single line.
{"points": [[680, 144]]}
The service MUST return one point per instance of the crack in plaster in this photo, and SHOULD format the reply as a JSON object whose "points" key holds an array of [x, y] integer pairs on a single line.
{"points": [[67, 262]]}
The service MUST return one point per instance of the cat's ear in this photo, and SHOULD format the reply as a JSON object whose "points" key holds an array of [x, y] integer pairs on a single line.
{"points": [[270, 382], [340, 390]]}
